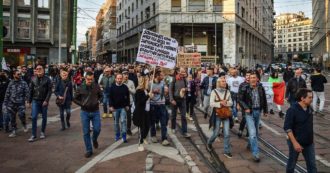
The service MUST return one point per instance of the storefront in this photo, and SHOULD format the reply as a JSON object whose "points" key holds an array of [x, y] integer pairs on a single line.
{"points": [[18, 56]]}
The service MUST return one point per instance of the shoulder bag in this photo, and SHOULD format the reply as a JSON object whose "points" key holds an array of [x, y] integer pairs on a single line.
{"points": [[223, 112]]}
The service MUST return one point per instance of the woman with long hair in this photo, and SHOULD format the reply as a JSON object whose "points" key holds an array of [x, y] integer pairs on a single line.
{"points": [[141, 114], [220, 97]]}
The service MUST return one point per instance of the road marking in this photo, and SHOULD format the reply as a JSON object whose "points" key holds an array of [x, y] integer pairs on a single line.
{"points": [[49, 120], [271, 129], [322, 160], [102, 155], [157, 148], [149, 163], [183, 152]]}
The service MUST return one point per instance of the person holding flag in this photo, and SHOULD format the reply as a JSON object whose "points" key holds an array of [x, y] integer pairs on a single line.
{"points": [[278, 90]]}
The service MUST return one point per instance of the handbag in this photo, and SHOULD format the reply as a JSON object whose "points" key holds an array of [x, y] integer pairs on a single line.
{"points": [[60, 102], [223, 112]]}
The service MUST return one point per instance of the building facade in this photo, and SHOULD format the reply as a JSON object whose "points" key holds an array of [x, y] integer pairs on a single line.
{"points": [[233, 31], [321, 32], [293, 37], [91, 43], [33, 27]]}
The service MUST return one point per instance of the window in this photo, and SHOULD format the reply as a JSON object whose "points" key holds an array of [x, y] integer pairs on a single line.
{"points": [[196, 5], [43, 26], [243, 12], [137, 19], [141, 2], [43, 3], [6, 23], [141, 16], [137, 4], [153, 8], [129, 11], [23, 3], [217, 5], [23, 26], [148, 13], [6, 2]]}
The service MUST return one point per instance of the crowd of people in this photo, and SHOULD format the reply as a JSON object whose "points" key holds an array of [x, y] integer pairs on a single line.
{"points": [[150, 98]]}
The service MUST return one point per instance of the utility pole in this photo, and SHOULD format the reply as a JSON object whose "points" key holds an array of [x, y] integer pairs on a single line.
{"points": [[327, 32], [215, 38], [74, 33], [1, 29], [60, 36]]}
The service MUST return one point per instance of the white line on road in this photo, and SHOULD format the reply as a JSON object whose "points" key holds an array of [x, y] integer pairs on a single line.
{"points": [[49, 119], [102, 155], [270, 129], [322, 160]]}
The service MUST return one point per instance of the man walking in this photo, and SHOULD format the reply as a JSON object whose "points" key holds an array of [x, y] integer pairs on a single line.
{"points": [[87, 97], [253, 101], [298, 125], [119, 101], [4, 119], [293, 85], [131, 87], [234, 81], [317, 84], [40, 92], [16, 95], [208, 84], [177, 92], [105, 83]]}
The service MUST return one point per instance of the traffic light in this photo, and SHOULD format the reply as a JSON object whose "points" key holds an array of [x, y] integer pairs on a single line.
{"points": [[4, 31]]}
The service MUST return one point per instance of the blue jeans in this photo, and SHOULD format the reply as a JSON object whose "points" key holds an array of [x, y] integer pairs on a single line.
{"points": [[86, 118], [182, 106], [105, 102], [120, 114], [216, 131], [36, 109], [309, 155], [158, 112], [67, 110], [234, 107], [252, 122]]}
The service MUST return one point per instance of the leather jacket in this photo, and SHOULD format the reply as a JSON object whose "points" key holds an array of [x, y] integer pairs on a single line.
{"points": [[245, 98], [40, 89], [88, 97]]}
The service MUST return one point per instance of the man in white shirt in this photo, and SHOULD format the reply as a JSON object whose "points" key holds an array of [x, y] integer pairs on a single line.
{"points": [[131, 87], [233, 82]]}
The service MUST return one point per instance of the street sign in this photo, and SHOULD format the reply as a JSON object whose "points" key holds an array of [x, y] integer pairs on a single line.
{"points": [[4, 31], [157, 50]]}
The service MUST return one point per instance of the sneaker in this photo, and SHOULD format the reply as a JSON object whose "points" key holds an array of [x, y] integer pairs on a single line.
{"points": [[154, 139], [13, 134], [32, 139], [165, 142], [104, 115], [117, 137], [228, 155], [145, 141], [186, 135], [239, 134], [95, 144], [42, 135], [68, 124], [209, 147], [173, 131], [25, 129], [110, 115], [281, 114], [129, 132], [88, 154], [271, 111], [140, 147], [205, 115], [124, 138], [256, 158], [236, 120], [190, 118]]}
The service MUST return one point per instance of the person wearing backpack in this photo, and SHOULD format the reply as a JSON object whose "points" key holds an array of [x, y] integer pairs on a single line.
{"points": [[177, 91]]}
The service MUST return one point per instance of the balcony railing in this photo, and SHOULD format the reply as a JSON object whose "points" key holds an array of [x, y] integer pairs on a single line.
{"points": [[176, 8], [193, 8]]}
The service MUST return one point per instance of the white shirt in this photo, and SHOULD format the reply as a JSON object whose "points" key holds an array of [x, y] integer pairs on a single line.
{"points": [[234, 83]]}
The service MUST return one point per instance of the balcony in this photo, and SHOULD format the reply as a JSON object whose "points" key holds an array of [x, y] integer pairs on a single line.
{"points": [[195, 8], [176, 8]]}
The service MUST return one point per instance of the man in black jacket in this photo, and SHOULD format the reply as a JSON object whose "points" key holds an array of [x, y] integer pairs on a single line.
{"points": [[4, 81], [252, 102], [298, 125], [40, 92], [293, 85], [317, 83], [87, 96], [288, 74], [119, 101]]}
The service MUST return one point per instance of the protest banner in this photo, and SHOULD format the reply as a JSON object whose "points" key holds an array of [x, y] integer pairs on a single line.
{"points": [[189, 60], [157, 50], [209, 59]]}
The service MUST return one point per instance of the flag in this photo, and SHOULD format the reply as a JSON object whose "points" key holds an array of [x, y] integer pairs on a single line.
{"points": [[3, 64], [279, 91]]}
